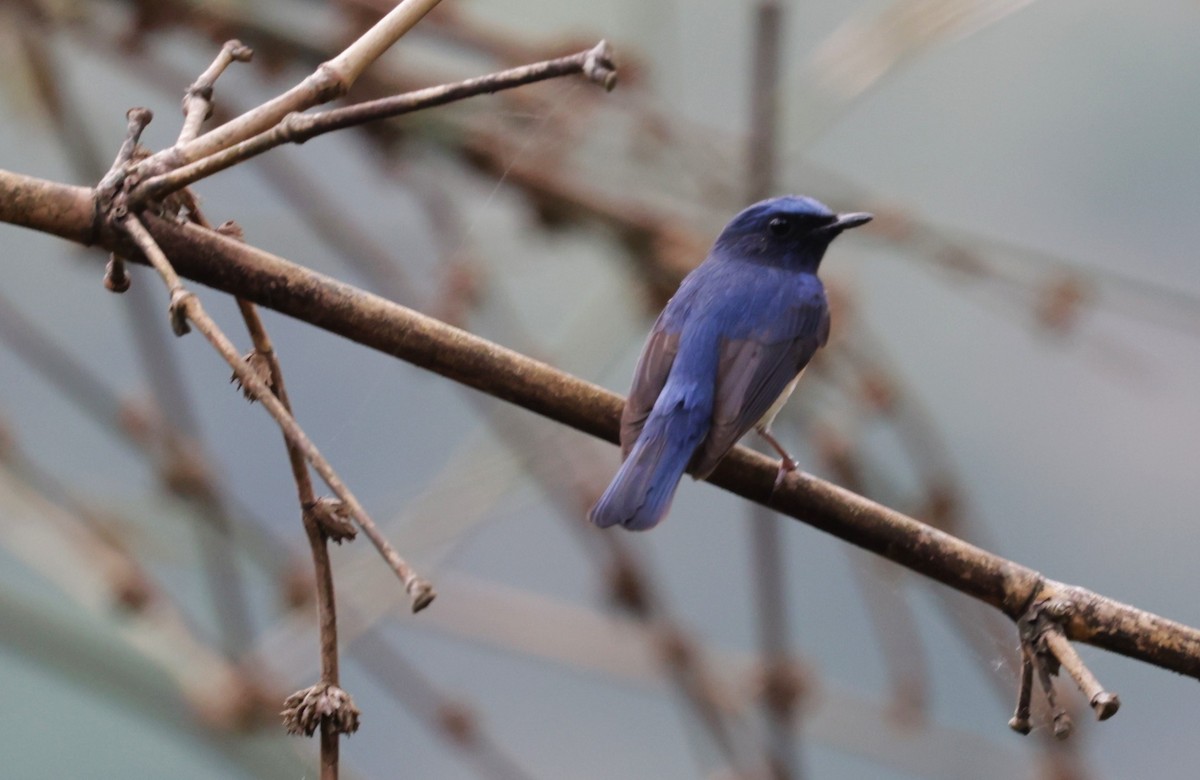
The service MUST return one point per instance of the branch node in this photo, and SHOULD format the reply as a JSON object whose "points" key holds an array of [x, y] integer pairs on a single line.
{"points": [[261, 367], [198, 97], [327, 83], [231, 229], [598, 66], [333, 518], [305, 710], [1045, 650], [178, 311], [136, 120]]}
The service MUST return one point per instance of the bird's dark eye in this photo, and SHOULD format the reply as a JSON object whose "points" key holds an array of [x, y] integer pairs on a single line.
{"points": [[779, 227]]}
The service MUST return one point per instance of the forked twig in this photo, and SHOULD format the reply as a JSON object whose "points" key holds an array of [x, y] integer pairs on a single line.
{"points": [[185, 308], [332, 725], [197, 101], [1044, 650], [329, 81], [594, 63]]}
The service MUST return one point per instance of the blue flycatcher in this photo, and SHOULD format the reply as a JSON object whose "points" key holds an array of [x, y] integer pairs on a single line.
{"points": [[724, 355]]}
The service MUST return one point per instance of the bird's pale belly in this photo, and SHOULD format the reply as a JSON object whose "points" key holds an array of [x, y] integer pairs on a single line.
{"points": [[764, 424]]}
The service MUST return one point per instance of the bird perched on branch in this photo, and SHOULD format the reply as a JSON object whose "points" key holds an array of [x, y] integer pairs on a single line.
{"points": [[724, 355]]}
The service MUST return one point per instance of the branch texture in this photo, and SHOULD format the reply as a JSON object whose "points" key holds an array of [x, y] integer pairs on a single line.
{"points": [[225, 264], [251, 273]]}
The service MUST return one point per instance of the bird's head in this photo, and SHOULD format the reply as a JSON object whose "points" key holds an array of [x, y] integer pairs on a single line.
{"points": [[792, 231]]}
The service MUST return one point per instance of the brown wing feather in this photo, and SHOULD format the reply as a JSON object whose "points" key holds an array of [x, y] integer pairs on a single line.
{"points": [[652, 369], [750, 377]]}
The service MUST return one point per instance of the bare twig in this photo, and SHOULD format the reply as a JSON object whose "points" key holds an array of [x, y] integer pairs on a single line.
{"points": [[1044, 650], [318, 542], [197, 101], [185, 307], [595, 63], [147, 433], [329, 81], [183, 469]]}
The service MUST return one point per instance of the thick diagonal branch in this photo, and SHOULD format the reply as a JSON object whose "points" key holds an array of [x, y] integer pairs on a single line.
{"points": [[370, 320], [240, 269]]}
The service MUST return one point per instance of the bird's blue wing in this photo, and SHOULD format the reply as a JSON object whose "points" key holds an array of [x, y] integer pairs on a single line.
{"points": [[753, 371]]}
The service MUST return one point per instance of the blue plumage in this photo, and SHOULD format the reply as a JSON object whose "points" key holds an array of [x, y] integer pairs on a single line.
{"points": [[724, 354]]}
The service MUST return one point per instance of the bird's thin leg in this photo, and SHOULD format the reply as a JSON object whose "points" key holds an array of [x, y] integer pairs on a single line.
{"points": [[786, 462]]}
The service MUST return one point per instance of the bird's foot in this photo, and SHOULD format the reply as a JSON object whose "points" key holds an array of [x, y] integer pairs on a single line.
{"points": [[786, 466], [787, 463]]}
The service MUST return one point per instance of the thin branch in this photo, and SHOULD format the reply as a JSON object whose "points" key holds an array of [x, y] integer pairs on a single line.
{"points": [[181, 461], [139, 428], [197, 101], [329, 81], [186, 307], [350, 64], [317, 539], [595, 63]]}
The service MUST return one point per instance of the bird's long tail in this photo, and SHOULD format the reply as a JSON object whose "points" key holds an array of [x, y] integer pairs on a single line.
{"points": [[641, 492]]}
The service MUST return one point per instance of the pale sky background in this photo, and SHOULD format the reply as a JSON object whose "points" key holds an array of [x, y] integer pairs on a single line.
{"points": [[1065, 128]]}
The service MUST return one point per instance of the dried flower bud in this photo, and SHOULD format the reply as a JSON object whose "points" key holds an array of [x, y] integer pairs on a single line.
{"points": [[305, 710], [261, 368], [332, 516]]}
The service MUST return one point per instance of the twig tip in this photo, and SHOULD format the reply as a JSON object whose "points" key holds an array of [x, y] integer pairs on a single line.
{"points": [[116, 277], [1019, 724], [1105, 705], [1062, 725], [422, 594], [238, 51], [139, 116], [598, 66]]}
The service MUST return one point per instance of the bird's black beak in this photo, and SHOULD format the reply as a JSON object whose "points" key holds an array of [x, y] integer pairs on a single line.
{"points": [[847, 221]]}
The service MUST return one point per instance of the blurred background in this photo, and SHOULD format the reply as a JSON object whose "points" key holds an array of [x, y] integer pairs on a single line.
{"points": [[1014, 358]]}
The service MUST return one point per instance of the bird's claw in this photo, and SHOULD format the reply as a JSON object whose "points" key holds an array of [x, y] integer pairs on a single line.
{"points": [[786, 466]]}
